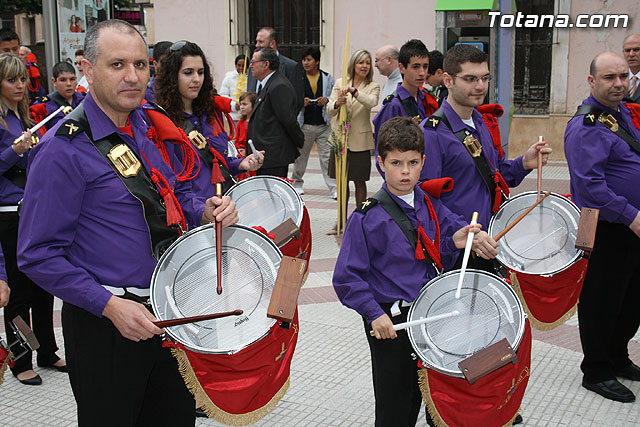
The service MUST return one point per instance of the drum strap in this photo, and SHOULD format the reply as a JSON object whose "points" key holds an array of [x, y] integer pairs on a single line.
{"points": [[480, 161], [140, 186], [592, 114], [397, 214], [208, 154]]}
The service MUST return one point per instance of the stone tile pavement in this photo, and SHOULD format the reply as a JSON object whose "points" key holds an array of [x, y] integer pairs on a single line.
{"points": [[331, 377]]}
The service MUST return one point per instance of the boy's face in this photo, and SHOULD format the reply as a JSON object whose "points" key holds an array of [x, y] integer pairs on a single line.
{"points": [[416, 71], [65, 84], [402, 170]]}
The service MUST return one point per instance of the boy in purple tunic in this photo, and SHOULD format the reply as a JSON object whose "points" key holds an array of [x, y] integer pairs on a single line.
{"points": [[605, 172], [379, 272]]}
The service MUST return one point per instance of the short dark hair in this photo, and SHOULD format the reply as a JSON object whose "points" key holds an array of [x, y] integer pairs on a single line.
{"points": [[91, 38], [413, 47], [461, 53], [312, 51], [7, 34], [160, 48], [79, 52], [435, 61], [62, 67], [268, 54], [402, 134], [238, 58]]}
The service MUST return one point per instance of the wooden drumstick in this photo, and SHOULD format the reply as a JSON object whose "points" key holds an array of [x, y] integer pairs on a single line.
{"points": [[192, 319], [465, 257], [421, 321], [517, 220], [540, 139], [219, 244]]}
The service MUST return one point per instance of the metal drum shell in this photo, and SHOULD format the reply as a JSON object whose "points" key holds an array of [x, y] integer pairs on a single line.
{"points": [[453, 275], [155, 283], [570, 208]]}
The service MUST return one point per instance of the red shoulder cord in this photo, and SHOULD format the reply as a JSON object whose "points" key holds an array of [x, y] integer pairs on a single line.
{"points": [[634, 109], [490, 114], [430, 103], [162, 131], [432, 249], [175, 215]]}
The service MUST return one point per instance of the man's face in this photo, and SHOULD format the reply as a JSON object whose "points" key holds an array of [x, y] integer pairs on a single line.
{"points": [[435, 79], [65, 84], [309, 64], [78, 64], [631, 49], [263, 40], [22, 53], [416, 71], [611, 82], [259, 68], [469, 87], [11, 46], [122, 70], [384, 63]]}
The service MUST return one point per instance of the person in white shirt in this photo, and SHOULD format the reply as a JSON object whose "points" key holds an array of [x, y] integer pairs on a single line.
{"points": [[229, 84]]}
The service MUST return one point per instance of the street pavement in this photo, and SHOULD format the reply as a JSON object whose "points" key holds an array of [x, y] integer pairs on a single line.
{"points": [[331, 373]]}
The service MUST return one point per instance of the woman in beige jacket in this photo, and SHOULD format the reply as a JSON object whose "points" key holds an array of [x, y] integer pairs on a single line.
{"points": [[360, 94]]}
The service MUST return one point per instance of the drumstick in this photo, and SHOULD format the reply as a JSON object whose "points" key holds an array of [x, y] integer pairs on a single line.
{"points": [[253, 149], [540, 139], [465, 257], [219, 243], [421, 321], [39, 125], [517, 220], [192, 319]]}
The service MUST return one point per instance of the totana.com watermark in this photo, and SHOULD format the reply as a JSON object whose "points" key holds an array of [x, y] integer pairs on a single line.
{"points": [[520, 20]]}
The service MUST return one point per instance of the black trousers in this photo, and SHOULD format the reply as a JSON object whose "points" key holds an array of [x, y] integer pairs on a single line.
{"points": [[280, 171], [27, 300], [118, 382], [395, 376], [609, 307]]}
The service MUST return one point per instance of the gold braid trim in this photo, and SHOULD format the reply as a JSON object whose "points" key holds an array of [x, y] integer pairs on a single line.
{"points": [[535, 323], [423, 381], [210, 408], [4, 366]]}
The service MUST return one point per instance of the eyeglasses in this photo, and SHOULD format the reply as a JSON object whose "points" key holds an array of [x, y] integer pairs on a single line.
{"points": [[255, 62], [473, 79], [178, 45]]}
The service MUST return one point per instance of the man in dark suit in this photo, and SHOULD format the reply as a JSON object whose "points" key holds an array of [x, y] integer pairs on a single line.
{"points": [[292, 70], [273, 126], [631, 50]]}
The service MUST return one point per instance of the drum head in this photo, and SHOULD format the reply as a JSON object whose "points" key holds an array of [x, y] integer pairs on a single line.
{"points": [[487, 311], [184, 284], [266, 201], [543, 242]]}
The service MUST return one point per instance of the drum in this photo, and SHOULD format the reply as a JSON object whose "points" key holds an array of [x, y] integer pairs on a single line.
{"points": [[487, 311], [236, 367], [546, 269], [269, 201]]}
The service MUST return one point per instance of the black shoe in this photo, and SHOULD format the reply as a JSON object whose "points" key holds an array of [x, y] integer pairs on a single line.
{"points": [[30, 381], [611, 389], [200, 413], [57, 368], [631, 372], [517, 419]]}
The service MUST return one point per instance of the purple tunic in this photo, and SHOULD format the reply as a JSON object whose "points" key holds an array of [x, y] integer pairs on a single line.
{"points": [[10, 194], [447, 157], [604, 169], [202, 183], [150, 94], [368, 273], [53, 106], [80, 228], [3, 271]]}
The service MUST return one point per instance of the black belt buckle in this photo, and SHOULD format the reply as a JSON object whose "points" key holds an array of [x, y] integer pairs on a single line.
{"points": [[137, 298]]}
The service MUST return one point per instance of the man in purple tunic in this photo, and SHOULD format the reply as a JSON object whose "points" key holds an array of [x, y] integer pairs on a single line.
{"points": [[85, 238], [467, 80], [604, 164]]}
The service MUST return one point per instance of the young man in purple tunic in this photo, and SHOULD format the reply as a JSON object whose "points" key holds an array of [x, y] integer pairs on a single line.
{"points": [[85, 238], [379, 282], [604, 164], [467, 77]]}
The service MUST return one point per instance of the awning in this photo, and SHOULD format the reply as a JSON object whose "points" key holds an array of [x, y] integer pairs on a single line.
{"points": [[467, 5]]}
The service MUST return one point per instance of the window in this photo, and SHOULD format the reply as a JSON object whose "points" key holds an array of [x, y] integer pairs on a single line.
{"points": [[532, 73]]}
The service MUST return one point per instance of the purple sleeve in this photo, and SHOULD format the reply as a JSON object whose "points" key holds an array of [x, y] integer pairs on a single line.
{"points": [[8, 157], [48, 221], [3, 271], [513, 171], [351, 267]]}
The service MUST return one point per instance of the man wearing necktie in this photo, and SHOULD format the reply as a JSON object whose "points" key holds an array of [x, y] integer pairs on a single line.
{"points": [[631, 50]]}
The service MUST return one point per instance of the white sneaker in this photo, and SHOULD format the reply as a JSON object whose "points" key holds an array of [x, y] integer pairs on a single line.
{"points": [[334, 194], [299, 190]]}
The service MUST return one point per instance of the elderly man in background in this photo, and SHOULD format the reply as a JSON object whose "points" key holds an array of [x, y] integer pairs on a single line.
{"points": [[386, 61]]}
